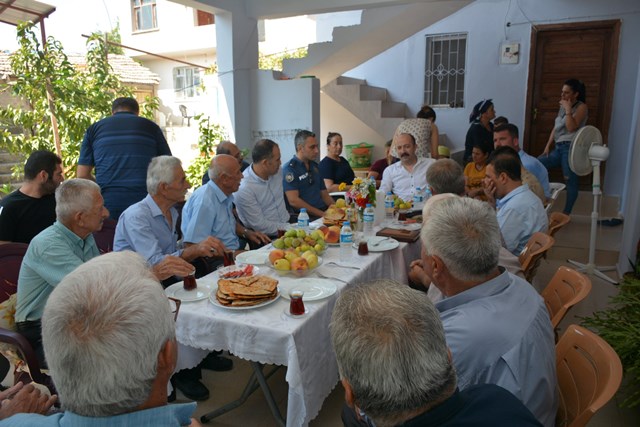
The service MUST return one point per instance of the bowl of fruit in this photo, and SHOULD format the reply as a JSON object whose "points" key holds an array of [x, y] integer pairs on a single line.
{"points": [[291, 263], [300, 241]]}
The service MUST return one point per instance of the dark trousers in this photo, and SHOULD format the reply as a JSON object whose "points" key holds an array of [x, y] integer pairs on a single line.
{"points": [[31, 330]]}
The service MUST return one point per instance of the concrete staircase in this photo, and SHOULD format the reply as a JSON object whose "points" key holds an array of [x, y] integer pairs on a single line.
{"points": [[380, 28], [370, 104]]}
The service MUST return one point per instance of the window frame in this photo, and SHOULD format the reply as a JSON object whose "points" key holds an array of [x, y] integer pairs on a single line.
{"points": [[434, 75], [186, 90], [138, 8]]}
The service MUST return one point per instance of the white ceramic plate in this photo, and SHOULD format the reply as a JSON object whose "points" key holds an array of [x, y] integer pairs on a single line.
{"points": [[386, 244], [253, 257], [314, 288], [214, 301], [238, 267], [177, 291]]}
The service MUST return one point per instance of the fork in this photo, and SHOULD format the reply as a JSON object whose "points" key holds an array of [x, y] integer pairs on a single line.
{"points": [[380, 241], [330, 278], [343, 266]]}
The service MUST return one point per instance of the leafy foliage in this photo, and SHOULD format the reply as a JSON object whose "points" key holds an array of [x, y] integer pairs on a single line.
{"points": [[620, 327], [274, 61], [211, 134], [80, 97], [114, 37]]}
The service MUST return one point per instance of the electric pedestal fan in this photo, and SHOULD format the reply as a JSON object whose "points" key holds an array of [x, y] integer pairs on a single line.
{"points": [[587, 152]]}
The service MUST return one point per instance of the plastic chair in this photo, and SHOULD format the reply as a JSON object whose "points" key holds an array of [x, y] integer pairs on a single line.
{"points": [[557, 220], [565, 289], [11, 255], [531, 255], [555, 188], [589, 374], [183, 111]]}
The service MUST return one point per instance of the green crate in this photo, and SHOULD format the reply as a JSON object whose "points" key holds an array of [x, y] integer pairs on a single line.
{"points": [[359, 155]]}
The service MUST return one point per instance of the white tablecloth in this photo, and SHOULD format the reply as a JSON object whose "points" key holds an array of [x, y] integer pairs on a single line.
{"points": [[267, 335]]}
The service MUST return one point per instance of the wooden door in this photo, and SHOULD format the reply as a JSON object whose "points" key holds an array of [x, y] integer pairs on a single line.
{"points": [[587, 51]]}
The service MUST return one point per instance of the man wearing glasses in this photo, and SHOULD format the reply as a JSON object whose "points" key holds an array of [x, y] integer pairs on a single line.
{"points": [[302, 183]]}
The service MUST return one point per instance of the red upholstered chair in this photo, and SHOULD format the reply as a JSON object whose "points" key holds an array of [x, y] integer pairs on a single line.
{"points": [[12, 344], [104, 237]]}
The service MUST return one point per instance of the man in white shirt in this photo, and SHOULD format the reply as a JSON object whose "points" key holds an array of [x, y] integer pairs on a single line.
{"points": [[401, 178], [260, 198]]}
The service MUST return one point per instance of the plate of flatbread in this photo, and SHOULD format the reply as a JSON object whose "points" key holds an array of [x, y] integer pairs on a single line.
{"points": [[245, 293]]}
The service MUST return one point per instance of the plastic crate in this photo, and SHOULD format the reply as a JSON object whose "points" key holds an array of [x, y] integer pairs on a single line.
{"points": [[359, 155]]}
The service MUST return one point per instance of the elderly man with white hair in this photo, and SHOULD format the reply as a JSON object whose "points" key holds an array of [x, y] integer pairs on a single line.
{"points": [[149, 226], [496, 324], [109, 337], [396, 369], [57, 251]]}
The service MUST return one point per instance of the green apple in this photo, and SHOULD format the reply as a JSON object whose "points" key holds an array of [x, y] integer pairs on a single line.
{"points": [[318, 248], [282, 265], [295, 243], [291, 233], [288, 242], [291, 255], [317, 234], [278, 243], [301, 233]]}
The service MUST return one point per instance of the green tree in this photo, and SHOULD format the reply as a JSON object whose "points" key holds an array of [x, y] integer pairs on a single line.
{"points": [[210, 135], [80, 96], [113, 36], [274, 60]]}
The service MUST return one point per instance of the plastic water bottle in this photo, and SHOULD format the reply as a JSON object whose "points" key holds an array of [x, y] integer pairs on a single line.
{"points": [[303, 220], [346, 240], [388, 206], [427, 193], [368, 217], [417, 196]]}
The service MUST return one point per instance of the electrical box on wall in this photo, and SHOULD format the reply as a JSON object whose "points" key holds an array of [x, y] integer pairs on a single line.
{"points": [[509, 53]]}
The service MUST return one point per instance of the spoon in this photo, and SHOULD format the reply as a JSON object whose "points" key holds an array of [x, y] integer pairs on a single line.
{"points": [[380, 241]]}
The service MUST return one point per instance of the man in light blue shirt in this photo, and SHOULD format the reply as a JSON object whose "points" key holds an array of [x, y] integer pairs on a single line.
{"points": [[260, 198], [149, 226], [507, 135], [496, 324], [111, 368], [56, 252], [520, 212], [209, 211]]}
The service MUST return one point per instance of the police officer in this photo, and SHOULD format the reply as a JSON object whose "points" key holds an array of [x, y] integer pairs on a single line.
{"points": [[302, 183]]}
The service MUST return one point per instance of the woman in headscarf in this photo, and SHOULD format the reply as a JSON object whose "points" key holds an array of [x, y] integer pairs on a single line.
{"points": [[481, 130]]}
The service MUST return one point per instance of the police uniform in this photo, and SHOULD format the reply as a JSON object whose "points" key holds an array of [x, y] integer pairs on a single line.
{"points": [[309, 184]]}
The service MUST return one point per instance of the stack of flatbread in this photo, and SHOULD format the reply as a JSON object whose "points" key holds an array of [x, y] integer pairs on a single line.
{"points": [[246, 291], [334, 216]]}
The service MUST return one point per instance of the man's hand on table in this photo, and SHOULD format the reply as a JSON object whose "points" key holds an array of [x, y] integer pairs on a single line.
{"points": [[172, 266], [257, 237], [24, 399], [209, 247]]}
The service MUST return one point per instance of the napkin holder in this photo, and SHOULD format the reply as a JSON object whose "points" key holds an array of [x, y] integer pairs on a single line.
{"points": [[408, 236]]}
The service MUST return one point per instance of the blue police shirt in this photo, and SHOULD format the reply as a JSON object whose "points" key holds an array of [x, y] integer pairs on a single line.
{"points": [[309, 184]]}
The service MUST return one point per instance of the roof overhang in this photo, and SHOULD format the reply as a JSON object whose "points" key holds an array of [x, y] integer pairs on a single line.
{"points": [[15, 11]]}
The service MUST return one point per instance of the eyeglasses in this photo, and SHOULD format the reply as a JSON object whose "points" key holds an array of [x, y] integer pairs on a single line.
{"points": [[175, 307]]}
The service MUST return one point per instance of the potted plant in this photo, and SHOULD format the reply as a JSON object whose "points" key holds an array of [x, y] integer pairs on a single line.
{"points": [[619, 325]]}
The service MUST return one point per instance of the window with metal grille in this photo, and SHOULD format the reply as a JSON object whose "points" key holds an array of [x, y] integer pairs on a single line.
{"points": [[445, 70], [144, 15], [187, 82]]}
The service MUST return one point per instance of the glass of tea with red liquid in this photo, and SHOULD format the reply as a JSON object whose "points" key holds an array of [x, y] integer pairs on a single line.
{"points": [[296, 306], [190, 282], [363, 247], [227, 258]]}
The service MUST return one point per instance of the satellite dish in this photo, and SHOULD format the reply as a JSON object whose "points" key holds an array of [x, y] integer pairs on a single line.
{"points": [[579, 158], [585, 156]]}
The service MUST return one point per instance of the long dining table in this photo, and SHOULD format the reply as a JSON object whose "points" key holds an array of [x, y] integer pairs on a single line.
{"points": [[267, 335]]}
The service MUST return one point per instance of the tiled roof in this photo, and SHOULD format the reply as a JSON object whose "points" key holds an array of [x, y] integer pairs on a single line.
{"points": [[126, 68]]}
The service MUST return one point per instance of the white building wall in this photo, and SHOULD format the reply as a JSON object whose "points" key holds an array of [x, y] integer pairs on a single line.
{"points": [[400, 69]]}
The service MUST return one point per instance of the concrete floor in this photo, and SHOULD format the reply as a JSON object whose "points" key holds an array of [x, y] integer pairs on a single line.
{"points": [[571, 242]]}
